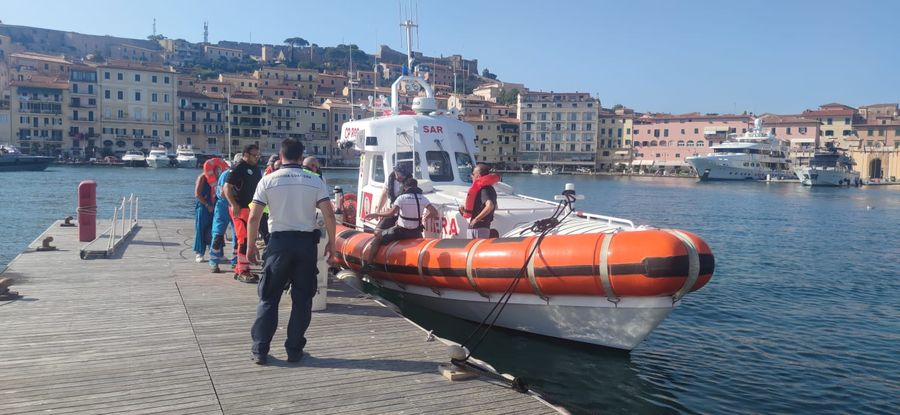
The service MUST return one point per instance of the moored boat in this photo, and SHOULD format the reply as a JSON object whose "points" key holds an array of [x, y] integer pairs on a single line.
{"points": [[134, 158], [754, 155], [159, 157], [11, 159], [185, 157], [572, 275], [831, 167]]}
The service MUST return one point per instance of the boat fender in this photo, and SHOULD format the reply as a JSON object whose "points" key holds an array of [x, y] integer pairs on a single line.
{"points": [[693, 264], [470, 272], [604, 269]]}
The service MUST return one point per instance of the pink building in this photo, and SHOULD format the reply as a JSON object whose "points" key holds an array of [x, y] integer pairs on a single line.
{"points": [[663, 141]]}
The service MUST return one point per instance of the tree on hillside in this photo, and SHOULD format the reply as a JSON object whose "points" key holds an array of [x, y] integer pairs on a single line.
{"points": [[487, 74], [508, 97], [295, 42], [156, 38]]}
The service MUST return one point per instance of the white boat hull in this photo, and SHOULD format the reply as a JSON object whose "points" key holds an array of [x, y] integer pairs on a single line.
{"points": [[186, 163], [585, 319], [158, 162], [826, 177], [711, 168]]}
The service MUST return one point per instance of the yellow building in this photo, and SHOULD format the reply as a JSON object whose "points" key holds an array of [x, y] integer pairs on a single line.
{"points": [[137, 106], [84, 110], [835, 122], [38, 114], [558, 130], [249, 122], [496, 140], [203, 122], [614, 139], [876, 147], [305, 81]]}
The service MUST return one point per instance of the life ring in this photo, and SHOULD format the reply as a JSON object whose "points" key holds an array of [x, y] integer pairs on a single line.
{"points": [[348, 206]]}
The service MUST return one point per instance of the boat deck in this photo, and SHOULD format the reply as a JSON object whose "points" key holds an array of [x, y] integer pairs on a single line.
{"points": [[151, 331]]}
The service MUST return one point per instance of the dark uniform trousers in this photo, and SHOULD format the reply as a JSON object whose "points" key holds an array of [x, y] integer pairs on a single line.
{"points": [[290, 257]]}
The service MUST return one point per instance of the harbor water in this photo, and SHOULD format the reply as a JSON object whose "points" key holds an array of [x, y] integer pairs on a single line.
{"points": [[801, 316]]}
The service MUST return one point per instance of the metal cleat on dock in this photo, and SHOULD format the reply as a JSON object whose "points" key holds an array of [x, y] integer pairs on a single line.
{"points": [[45, 245]]}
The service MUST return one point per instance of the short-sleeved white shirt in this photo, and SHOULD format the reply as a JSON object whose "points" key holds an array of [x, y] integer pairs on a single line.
{"points": [[291, 194], [407, 204]]}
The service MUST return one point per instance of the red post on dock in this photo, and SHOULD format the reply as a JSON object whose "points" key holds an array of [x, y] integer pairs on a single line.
{"points": [[87, 211]]}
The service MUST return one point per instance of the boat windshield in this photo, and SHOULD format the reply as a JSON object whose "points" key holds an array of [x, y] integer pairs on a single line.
{"points": [[405, 155], [439, 168], [464, 165]]}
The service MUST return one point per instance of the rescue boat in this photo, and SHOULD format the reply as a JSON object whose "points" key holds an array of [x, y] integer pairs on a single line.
{"points": [[570, 274]]}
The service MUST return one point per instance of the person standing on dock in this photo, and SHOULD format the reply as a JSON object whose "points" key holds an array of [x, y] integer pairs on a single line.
{"points": [[205, 192], [239, 189], [481, 202], [292, 195], [221, 220]]}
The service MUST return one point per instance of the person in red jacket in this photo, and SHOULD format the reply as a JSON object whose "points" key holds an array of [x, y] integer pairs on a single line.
{"points": [[481, 202]]}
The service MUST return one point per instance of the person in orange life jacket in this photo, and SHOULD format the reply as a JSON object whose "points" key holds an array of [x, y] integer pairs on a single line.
{"points": [[221, 220], [481, 202], [407, 210], [392, 189], [239, 189], [205, 192]]}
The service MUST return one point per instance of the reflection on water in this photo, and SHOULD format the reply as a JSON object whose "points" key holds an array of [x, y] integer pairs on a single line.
{"points": [[801, 315]]}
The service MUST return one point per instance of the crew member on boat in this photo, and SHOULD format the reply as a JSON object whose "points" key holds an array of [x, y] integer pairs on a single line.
{"points": [[239, 190], [406, 212], [221, 220], [292, 195], [311, 164], [204, 191], [481, 202], [392, 189]]}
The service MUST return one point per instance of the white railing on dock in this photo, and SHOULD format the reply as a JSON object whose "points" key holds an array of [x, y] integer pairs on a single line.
{"points": [[124, 220]]}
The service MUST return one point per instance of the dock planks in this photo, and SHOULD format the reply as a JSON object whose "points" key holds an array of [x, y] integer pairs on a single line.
{"points": [[151, 331]]}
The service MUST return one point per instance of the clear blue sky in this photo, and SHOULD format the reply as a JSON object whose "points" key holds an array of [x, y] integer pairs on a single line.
{"points": [[662, 56]]}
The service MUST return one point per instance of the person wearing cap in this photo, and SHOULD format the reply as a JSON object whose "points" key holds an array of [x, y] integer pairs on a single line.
{"points": [[221, 221], [239, 190], [392, 189], [293, 195]]}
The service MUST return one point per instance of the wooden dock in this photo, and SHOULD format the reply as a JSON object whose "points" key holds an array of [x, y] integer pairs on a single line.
{"points": [[151, 331]]}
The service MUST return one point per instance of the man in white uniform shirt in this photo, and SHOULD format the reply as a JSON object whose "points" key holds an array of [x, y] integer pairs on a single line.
{"points": [[292, 195], [408, 209]]}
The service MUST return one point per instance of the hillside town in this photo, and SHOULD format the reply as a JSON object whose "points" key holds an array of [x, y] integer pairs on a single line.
{"points": [[78, 97]]}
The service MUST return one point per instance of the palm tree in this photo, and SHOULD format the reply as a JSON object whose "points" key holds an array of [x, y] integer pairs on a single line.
{"points": [[294, 42]]}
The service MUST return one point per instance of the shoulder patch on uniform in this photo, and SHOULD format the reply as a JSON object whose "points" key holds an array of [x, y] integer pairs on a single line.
{"points": [[250, 171]]}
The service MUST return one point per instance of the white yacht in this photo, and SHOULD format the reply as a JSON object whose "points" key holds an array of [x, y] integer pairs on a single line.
{"points": [[536, 170], [134, 158], [185, 158], [158, 157], [831, 167], [755, 155]]}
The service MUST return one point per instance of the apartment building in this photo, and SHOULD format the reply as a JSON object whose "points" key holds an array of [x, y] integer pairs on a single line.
{"points": [[304, 81], [339, 113], [202, 121], [558, 129], [240, 83], [315, 135], [662, 142], [249, 122], [83, 110], [801, 134], [614, 138], [137, 106], [496, 139], [217, 52], [836, 122], [876, 143], [38, 119]]}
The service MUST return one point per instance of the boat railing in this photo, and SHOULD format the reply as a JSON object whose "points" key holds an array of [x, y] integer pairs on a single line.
{"points": [[123, 222], [592, 216]]}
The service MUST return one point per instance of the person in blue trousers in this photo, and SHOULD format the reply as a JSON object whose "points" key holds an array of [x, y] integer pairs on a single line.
{"points": [[220, 223]]}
